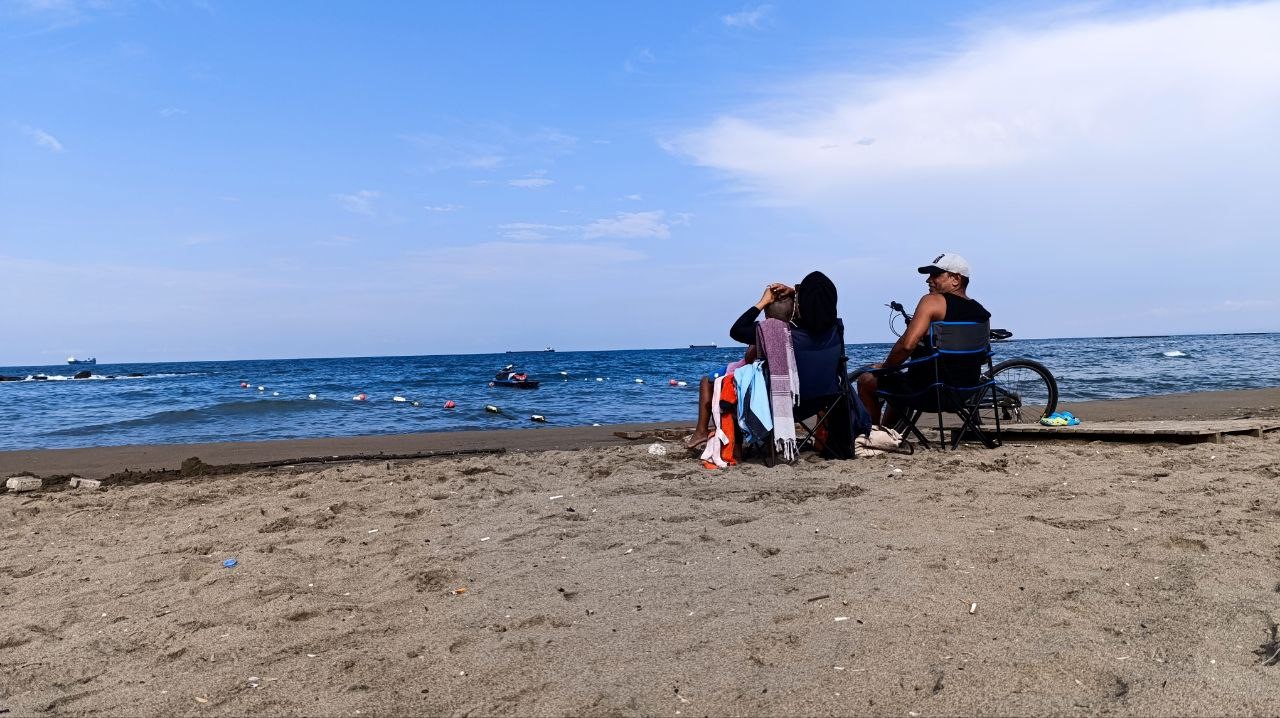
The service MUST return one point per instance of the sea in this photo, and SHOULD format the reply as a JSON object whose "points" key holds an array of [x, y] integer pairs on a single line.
{"points": [[185, 402]]}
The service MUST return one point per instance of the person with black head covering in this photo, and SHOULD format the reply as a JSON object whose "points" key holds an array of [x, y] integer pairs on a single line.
{"points": [[815, 312], [812, 323], [815, 304]]}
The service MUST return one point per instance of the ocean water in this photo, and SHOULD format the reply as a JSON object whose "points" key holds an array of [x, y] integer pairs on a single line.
{"points": [[203, 401]]}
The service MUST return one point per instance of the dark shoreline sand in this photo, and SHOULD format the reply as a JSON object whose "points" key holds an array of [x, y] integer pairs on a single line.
{"points": [[1116, 579], [97, 462]]}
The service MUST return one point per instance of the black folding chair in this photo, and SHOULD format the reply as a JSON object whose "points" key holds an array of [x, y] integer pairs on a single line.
{"points": [[960, 351]]}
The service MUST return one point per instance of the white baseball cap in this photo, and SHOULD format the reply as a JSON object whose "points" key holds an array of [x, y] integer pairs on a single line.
{"points": [[947, 262]]}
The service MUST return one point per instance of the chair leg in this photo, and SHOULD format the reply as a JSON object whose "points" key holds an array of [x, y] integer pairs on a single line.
{"points": [[970, 414], [909, 427]]}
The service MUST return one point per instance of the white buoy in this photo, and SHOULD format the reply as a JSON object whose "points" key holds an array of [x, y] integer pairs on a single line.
{"points": [[682, 383], [398, 398], [275, 393], [639, 381], [416, 404], [538, 418], [262, 388], [492, 409], [312, 397], [599, 379]]}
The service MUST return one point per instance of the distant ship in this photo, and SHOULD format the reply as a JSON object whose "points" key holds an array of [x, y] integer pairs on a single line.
{"points": [[702, 346], [528, 351], [73, 360]]}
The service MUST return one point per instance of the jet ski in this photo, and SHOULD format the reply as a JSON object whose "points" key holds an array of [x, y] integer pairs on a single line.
{"points": [[512, 378]]}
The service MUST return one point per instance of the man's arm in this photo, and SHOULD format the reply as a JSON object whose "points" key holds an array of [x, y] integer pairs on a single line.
{"points": [[744, 330], [932, 308]]}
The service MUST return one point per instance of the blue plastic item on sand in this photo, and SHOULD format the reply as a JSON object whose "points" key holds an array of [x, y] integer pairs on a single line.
{"points": [[1060, 418], [230, 563]]}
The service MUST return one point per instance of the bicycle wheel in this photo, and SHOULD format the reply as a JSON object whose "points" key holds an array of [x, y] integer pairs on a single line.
{"points": [[1024, 391]]}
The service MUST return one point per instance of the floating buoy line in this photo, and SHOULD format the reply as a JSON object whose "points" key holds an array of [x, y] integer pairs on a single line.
{"points": [[451, 404]]}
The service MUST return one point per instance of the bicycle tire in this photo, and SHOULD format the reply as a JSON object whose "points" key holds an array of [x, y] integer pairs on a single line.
{"points": [[1026, 383]]}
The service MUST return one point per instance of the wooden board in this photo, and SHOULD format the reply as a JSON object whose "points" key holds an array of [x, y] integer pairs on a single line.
{"points": [[1169, 430]]}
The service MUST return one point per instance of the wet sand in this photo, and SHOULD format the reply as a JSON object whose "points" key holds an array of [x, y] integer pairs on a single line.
{"points": [[1132, 579], [99, 462]]}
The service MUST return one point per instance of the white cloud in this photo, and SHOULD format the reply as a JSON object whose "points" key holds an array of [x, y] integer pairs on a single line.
{"points": [[513, 260], [623, 225], [172, 112], [360, 202], [630, 225], [444, 153], [443, 207], [1167, 89], [535, 180], [193, 240], [531, 231], [747, 18], [42, 138], [1242, 305], [337, 240], [634, 197], [488, 146], [638, 60]]}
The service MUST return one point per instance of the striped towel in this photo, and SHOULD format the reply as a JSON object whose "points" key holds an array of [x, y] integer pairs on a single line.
{"points": [[773, 336]]}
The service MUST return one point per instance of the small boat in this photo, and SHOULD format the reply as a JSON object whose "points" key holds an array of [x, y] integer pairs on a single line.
{"points": [[90, 360], [702, 346]]}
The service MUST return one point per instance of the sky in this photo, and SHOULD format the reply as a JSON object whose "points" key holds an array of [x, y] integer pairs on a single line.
{"points": [[185, 180]]}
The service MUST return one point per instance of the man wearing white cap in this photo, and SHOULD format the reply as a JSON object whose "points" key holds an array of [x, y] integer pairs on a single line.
{"points": [[946, 302]]}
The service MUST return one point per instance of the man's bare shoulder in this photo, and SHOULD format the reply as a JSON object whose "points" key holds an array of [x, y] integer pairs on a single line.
{"points": [[932, 305]]}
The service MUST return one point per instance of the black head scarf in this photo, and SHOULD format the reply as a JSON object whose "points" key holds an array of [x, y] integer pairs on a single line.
{"points": [[816, 296]]}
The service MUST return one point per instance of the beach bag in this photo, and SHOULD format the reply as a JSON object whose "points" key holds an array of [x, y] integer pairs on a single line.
{"points": [[880, 440]]}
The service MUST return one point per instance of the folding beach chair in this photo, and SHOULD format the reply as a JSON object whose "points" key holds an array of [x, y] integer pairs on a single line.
{"points": [[958, 349], [827, 400]]}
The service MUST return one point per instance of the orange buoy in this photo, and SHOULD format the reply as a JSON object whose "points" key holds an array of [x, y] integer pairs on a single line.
{"points": [[244, 385], [360, 397], [449, 404], [672, 382]]}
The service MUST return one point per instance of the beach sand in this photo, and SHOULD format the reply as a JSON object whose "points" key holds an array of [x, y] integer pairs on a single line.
{"points": [[1044, 577]]}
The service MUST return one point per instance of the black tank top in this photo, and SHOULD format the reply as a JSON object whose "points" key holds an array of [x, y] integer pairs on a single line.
{"points": [[961, 309], [956, 371]]}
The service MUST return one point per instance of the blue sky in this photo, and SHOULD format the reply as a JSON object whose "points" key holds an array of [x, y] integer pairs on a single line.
{"points": [[206, 180]]}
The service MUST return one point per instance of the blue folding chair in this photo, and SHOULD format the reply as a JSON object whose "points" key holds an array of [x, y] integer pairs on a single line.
{"points": [[825, 392], [956, 385]]}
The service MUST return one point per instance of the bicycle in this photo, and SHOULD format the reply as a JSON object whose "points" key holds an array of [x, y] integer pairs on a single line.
{"points": [[1021, 385]]}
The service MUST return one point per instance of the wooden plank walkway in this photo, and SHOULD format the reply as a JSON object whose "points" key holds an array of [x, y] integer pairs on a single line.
{"points": [[1210, 431]]}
